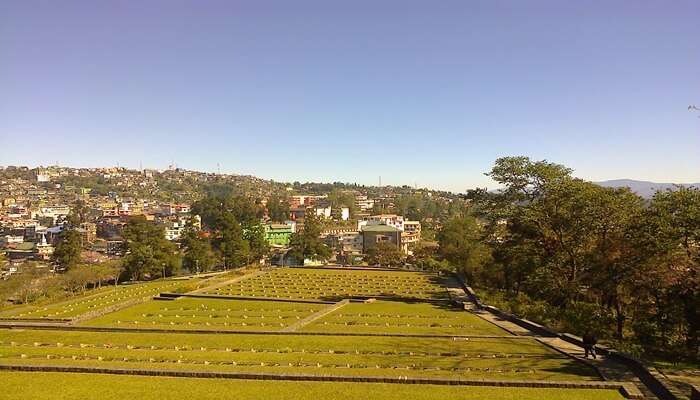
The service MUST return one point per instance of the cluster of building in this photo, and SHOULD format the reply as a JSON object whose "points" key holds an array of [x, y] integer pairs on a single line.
{"points": [[35, 205]]}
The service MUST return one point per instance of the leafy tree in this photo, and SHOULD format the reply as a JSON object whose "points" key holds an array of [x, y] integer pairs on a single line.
{"points": [[598, 257], [278, 208], [307, 244], [669, 287], [79, 214], [384, 253], [199, 255], [148, 253], [461, 245], [108, 271], [67, 251], [234, 249], [79, 277], [255, 235], [342, 198]]}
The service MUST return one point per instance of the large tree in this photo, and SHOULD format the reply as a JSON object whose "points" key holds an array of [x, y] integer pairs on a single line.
{"points": [[255, 235], [386, 254], [148, 253], [307, 244], [235, 250], [278, 208], [600, 257], [461, 244], [199, 255], [67, 251]]}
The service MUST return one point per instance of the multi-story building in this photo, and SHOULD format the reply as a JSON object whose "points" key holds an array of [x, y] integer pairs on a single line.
{"points": [[373, 234], [410, 235], [363, 203], [88, 232], [382, 219]]}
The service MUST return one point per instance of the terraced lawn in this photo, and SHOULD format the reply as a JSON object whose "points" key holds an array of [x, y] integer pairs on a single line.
{"points": [[93, 301], [60, 386], [400, 317], [209, 314], [456, 343], [334, 284], [499, 358]]}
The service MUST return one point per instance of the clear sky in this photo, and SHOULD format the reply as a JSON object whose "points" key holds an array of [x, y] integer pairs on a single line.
{"points": [[419, 92]]}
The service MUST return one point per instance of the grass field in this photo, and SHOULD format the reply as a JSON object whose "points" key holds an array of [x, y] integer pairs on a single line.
{"points": [[59, 386], [93, 301], [499, 358], [400, 317], [333, 284], [209, 314], [457, 344]]}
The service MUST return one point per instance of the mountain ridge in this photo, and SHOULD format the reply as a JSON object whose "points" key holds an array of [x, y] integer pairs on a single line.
{"points": [[645, 189]]}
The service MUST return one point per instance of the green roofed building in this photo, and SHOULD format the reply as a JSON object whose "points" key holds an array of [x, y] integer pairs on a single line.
{"points": [[278, 234]]}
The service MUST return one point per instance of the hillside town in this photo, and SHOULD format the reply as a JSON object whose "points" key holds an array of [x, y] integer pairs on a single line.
{"points": [[40, 204]]}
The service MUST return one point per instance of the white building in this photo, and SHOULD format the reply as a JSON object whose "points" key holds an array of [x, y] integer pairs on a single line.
{"points": [[363, 203], [324, 212], [382, 219], [345, 213]]}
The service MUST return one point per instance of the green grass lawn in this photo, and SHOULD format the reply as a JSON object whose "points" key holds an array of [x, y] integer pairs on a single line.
{"points": [[493, 358], [401, 317], [95, 300], [209, 314], [333, 284], [63, 386]]}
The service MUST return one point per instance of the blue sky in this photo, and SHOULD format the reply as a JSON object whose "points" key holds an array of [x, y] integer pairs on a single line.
{"points": [[419, 92]]}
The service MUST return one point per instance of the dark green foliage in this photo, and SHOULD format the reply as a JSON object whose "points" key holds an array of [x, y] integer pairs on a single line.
{"points": [[461, 244], [67, 251], [384, 254], [148, 253], [234, 225], [600, 256], [278, 208], [307, 244], [255, 235], [235, 250], [199, 255]]}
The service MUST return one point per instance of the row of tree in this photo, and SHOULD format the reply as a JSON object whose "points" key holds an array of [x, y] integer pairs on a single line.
{"points": [[37, 283]]}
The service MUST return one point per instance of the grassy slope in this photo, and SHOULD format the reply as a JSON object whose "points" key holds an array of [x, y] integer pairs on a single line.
{"points": [[193, 313], [399, 317], [24, 385], [475, 358], [322, 283], [93, 300]]}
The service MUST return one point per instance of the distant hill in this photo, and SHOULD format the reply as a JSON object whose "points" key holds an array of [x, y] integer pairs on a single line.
{"points": [[645, 189]]}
